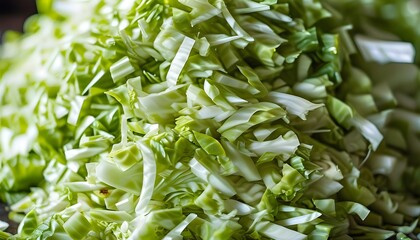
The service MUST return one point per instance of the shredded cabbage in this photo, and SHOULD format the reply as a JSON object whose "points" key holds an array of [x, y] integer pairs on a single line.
{"points": [[212, 119]]}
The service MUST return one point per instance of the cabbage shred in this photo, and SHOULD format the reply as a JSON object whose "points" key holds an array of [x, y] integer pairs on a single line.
{"points": [[208, 119]]}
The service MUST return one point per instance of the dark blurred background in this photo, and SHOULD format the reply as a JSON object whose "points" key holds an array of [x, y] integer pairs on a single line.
{"points": [[14, 12]]}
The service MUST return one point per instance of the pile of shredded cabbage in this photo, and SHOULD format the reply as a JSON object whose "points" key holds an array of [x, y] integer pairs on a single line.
{"points": [[211, 119]]}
